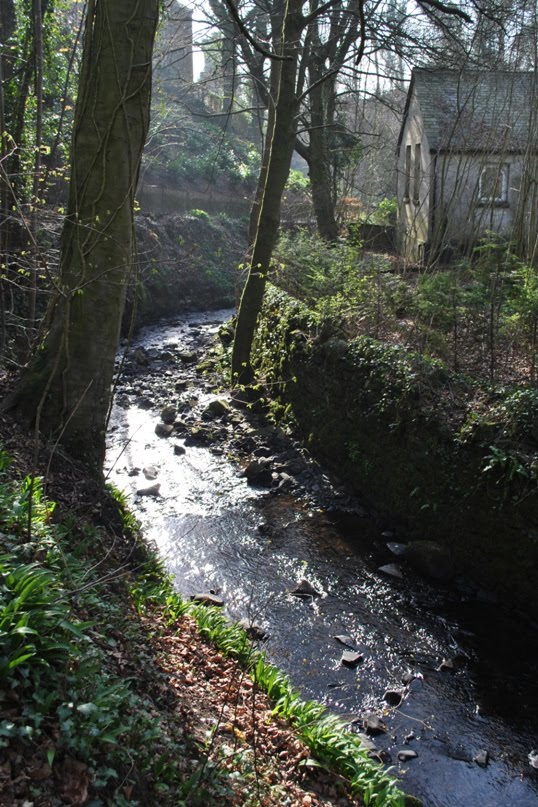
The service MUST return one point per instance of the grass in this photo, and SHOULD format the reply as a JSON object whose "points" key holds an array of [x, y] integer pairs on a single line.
{"points": [[331, 744], [77, 672]]}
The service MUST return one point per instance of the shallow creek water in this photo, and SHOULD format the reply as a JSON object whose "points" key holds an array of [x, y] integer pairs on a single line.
{"points": [[252, 546]]}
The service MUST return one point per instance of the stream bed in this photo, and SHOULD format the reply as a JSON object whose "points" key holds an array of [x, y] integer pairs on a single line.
{"points": [[464, 669]]}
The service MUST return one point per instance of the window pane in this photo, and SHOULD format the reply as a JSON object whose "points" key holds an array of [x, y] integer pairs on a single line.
{"points": [[407, 172], [494, 183], [418, 174]]}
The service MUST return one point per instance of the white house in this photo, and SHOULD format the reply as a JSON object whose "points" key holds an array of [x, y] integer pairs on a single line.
{"points": [[467, 162]]}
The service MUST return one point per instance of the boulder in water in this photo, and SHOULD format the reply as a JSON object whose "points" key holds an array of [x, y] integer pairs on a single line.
{"points": [[140, 357], [208, 598], [168, 414], [217, 408], [305, 589], [394, 697], [253, 631], [153, 490], [397, 549], [481, 758], [258, 474], [346, 640], [163, 429], [373, 725], [431, 560], [199, 436], [351, 658], [187, 356], [406, 754], [447, 665], [391, 569]]}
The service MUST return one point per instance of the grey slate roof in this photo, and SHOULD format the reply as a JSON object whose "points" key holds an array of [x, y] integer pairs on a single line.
{"points": [[471, 110]]}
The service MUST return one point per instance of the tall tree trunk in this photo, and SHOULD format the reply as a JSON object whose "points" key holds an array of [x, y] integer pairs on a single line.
{"points": [[7, 27], [266, 155], [228, 60], [67, 387], [320, 168], [278, 167], [34, 200]]}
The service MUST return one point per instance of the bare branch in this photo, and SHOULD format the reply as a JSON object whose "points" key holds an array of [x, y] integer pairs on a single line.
{"points": [[244, 30], [446, 8]]}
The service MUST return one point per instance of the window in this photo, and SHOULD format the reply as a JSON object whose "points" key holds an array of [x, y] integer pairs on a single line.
{"points": [[417, 174], [407, 185], [493, 184]]}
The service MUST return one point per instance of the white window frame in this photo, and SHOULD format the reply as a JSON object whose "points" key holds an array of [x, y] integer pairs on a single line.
{"points": [[503, 172]]}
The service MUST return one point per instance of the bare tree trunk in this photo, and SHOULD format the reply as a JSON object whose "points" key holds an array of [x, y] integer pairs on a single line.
{"points": [[67, 387], [278, 167], [320, 170], [321, 121], [266, 155]]}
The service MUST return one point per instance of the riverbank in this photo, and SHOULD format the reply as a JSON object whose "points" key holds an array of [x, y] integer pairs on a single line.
{"points": [[186, 262], [110, 693], [441, 458], [239, 507]]}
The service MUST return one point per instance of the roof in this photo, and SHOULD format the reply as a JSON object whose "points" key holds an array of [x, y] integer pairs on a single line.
{"points": [[473, 110]]}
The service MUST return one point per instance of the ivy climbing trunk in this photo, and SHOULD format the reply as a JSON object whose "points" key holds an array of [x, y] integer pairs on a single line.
{"points": [[66, 388], [277, 169]]}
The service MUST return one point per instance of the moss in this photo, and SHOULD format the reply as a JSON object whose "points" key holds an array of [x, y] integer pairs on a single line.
{"points": [[185, 263], [379, 415]]}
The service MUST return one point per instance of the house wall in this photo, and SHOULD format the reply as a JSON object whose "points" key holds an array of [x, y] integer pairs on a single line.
{"points": [[414, 209], [449, 217], [461, 218], [451, 211]]}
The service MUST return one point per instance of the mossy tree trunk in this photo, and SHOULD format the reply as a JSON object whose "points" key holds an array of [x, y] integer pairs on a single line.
{"points": [[277, 169], [66, 389]]}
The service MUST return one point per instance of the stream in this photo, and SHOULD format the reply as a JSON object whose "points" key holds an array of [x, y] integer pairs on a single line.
{"points": [[465, 668]]}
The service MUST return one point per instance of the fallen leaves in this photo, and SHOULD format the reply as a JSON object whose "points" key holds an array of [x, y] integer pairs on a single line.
{"points": [[21, 775], [75, 779], [228, 715]]}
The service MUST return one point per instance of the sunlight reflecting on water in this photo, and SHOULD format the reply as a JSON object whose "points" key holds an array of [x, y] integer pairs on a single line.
{"points": [[216, 532]]}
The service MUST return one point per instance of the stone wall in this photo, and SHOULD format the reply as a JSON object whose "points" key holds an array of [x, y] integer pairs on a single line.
{"points": [[378, 416]]}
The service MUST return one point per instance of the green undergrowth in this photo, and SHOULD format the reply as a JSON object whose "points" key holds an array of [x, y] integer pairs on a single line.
{"points": [[76, 718], [73, 693], [478, 314], [332, 745], [406, 387]]}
